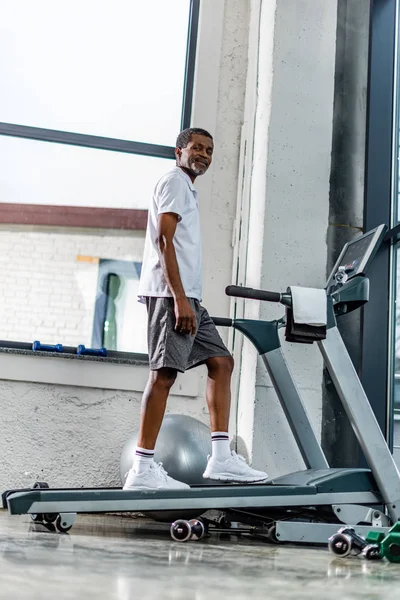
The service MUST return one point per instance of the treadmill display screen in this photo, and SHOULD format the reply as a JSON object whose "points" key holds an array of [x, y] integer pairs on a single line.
{"points": [[352, 258], [356, 257]]}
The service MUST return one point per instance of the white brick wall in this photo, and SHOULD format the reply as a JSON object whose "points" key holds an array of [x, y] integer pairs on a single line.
{"points": [[45, 292]]}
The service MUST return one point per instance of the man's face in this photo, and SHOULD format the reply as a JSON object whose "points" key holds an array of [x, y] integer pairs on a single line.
{"points": [[197, 155]]}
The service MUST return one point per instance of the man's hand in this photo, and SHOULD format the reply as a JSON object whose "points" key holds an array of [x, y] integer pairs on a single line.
{"points": [[185, 317]]}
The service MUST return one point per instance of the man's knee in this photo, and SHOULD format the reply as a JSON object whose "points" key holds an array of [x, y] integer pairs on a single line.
{"points": [[163, 378], [220, 366]]}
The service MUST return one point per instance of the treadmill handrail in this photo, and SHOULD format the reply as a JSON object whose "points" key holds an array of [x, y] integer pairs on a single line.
{"points": [[239, 291]]}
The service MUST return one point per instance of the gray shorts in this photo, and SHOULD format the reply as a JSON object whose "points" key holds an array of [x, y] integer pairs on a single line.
{"points": [[180, 351]]}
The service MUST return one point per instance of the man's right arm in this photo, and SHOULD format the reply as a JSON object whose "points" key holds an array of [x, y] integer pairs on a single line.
{"points": [[185, 316]]}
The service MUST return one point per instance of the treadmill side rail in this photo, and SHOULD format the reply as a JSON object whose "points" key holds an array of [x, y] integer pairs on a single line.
{"points": [[219, 498]]}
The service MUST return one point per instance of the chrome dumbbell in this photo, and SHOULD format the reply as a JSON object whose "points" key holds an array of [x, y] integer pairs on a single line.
{"points": [[183, 531], [346, 541]]}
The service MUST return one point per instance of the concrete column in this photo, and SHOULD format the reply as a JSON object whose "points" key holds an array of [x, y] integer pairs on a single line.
{"points": [[287, 204]]}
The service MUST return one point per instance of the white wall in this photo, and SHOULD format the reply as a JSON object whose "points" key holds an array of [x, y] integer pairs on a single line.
{"points": [[68, 435]]}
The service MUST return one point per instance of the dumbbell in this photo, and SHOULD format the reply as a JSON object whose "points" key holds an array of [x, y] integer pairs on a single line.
{"points": [[81, 349], [183, 531], [47, 347], [347, 541], [389, 543]]}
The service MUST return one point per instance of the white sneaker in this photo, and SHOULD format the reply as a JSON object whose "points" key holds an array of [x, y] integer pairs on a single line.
{"points": [[153, 478], [234, 469]]}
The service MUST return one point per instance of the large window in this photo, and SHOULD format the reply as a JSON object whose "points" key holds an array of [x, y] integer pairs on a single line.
{"points": [[92, 97], [394, 355], [381, 320], [107, 69]]}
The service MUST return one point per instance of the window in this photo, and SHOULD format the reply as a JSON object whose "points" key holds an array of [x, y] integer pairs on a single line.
{"points": [[119, 317], [92, 97], [380, 368], [40, 173], [115, 70]]}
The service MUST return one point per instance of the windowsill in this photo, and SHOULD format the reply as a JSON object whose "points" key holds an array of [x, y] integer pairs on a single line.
{"points": [[124, 359], [128, 374]]}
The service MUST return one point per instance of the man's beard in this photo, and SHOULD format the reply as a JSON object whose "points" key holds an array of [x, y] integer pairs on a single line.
{"points": [[196, 169]]}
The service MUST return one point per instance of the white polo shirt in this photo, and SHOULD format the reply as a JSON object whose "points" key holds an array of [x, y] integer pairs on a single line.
{"points": [[174, 193]]}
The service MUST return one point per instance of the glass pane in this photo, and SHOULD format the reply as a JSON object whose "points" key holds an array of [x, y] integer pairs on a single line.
{"points": [[49, 278], [397, 341], [397, 195], [120, 322], [50, 288], [46, 173], [115, 70], [394, 352], [396, 382]]}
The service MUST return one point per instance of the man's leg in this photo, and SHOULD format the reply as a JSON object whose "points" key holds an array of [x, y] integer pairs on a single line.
{"points": [[165, 347], [218, 392], [154, 402], [224, 465], [145, 474], [218, 395]]}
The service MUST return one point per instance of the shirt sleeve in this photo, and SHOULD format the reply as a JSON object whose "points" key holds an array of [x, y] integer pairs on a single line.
{"points": [[171, 197]]}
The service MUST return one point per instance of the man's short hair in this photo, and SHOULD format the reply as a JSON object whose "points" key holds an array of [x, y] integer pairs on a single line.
{"points": [[186, 135]]}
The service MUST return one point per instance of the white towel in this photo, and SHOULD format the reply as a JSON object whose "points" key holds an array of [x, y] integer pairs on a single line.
{"points": [[309, 306]]}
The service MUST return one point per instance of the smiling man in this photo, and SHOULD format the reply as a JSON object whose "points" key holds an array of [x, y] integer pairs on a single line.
{"points": [[181, 334]]}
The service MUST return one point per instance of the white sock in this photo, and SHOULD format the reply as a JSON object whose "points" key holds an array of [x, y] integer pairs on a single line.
{"points": [[143, 459], [221, 449]]}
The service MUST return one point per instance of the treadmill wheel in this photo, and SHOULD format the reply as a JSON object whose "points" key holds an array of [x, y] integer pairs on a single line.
{"points": [[271, 535], [50, 517], [181, 530], [340, 544], [62, 525], [39, 518], [36, 518]]}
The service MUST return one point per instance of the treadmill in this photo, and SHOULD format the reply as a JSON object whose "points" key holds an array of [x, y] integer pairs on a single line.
{"points": [[307, 506]]}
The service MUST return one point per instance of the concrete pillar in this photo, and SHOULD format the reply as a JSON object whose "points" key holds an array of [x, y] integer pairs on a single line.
{"points": [[286, 206]]}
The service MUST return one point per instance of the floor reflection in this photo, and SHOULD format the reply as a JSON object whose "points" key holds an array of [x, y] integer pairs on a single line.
{"points": [[123, 558]]}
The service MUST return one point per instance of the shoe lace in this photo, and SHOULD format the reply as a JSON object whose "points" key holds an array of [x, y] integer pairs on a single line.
{"points": [[238, 457], [161, 471]]}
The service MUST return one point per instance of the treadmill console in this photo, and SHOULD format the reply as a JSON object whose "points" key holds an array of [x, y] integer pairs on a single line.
{"points": [[355, 258]]}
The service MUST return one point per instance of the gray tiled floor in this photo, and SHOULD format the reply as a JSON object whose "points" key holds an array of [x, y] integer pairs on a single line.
{"points": [[110, 557]]}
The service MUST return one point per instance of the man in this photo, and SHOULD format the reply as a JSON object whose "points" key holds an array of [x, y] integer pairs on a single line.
{"points": [[181, 334]]}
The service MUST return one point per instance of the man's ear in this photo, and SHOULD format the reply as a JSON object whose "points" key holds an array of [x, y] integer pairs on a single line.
{"points": [[178, 153]]}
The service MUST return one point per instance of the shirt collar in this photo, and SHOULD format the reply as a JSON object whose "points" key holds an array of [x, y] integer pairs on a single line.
{"points": [[186, 177]]}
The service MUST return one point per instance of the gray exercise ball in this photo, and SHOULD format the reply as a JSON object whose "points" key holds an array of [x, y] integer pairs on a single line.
{"points": [[183, 445]]}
